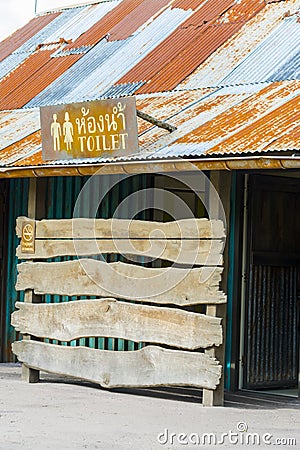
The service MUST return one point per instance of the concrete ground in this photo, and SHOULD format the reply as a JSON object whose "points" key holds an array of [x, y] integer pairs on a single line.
{"points": [[66, 414]]}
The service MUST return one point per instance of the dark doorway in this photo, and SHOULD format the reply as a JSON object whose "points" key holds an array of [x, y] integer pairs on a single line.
{"points": [[271, 352], [3, 225]]}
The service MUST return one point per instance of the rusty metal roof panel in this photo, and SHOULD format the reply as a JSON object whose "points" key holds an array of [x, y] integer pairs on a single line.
{"points": [[234, 120], [243, 10], [11, 62], [21, 36], [213, 103], [177, 69], [187, 4], [111, 19], [251, 125], [19, 152], [236, 49], [178, 42], [15, 125], [136, 18], [209, 11], [212, 24]]}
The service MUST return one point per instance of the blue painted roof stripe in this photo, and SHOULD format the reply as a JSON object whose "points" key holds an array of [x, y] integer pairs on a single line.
{"points": [[69, 80], [281, 45]]}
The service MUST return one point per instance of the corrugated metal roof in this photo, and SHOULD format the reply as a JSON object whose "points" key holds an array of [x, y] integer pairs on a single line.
{"points": [[152, 46], [212, 24], [21, 36], [186, 62], [155, 58], [177, 42], [243, 10], [210, 122], [212, 103], [31, 77], [81, 20], [25, 148], [11, 62], [136, 18], [62, 87], [187, 4], [108, 70], [289, 70], [235, 50], [277, 48], [16, 125], [101, 28], [122, 90], [42, 36], [251, 125]]}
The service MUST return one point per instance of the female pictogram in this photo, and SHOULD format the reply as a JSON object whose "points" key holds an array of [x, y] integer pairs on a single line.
{"points": [[68, 131]]}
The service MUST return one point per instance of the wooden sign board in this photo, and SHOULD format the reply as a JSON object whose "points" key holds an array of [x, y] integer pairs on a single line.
{"points": [[28, 237], [89, 129]]}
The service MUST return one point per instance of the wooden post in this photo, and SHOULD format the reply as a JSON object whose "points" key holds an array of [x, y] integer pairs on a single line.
{"points": [[30, 375], [216, 397]]}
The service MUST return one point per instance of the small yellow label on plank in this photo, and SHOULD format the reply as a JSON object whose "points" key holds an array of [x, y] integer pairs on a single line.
{"points": [[28, 237]]}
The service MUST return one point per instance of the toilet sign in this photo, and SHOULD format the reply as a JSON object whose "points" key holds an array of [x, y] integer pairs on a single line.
{"points": [[89, 129]]}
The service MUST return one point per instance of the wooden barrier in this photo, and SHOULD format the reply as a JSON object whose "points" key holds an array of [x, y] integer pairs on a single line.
{"points": [[172, 337]]}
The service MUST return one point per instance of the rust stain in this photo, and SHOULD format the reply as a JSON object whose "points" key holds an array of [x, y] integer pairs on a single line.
{"points": [[19, 150], [30, 78], [209, 12], [244, 11], [290, 140], [132, 21], [106, 24], [19, 37], [187, 4], [245, 112], [258, 135], [32, 160]]}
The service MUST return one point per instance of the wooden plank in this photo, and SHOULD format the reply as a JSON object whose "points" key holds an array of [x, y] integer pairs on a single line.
{"points": [[110, 318], [127, 281], [124, 229], [150, 366], [200, 252]]}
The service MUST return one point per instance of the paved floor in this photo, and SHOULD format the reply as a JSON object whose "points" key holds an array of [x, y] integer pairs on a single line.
{"points": [[62, 414]]}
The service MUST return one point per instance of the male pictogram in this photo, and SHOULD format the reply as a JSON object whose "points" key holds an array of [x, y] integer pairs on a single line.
{"points": [[55, 133]]}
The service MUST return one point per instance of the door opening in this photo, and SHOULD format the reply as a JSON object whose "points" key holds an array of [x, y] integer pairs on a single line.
{"points": [[271, 326]]}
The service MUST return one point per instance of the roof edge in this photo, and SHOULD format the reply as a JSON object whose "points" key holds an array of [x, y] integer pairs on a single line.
{"points": [[243, 163]]}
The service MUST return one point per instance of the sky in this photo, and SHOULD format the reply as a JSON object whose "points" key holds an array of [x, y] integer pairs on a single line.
{"points": [[16, 13]]}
